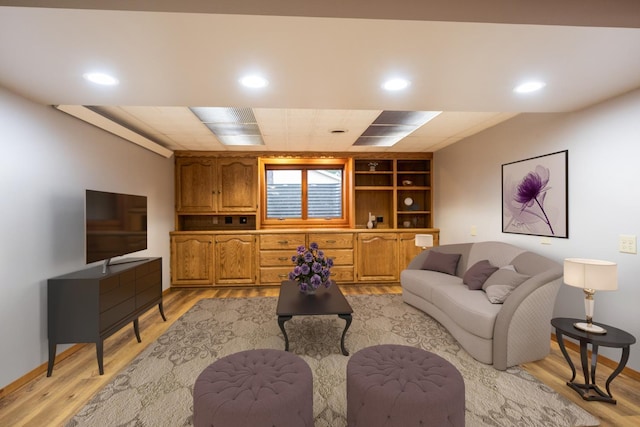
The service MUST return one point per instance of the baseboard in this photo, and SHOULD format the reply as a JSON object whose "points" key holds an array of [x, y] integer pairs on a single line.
{"points": [[633, 374]]}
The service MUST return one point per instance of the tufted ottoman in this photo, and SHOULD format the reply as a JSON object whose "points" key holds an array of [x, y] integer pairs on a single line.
{"points": [[254, 388], [401, 386]]}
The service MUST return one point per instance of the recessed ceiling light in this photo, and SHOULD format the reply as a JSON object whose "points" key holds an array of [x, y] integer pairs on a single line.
{"points": [[529, 87], [396, 84], [101, 79], [254, 81]]}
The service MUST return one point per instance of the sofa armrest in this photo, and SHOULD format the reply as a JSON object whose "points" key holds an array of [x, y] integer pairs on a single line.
{"points": [[522, 332]]}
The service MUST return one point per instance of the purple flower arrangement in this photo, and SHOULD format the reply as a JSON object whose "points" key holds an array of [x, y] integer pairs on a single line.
{"points": [[312, 269]]}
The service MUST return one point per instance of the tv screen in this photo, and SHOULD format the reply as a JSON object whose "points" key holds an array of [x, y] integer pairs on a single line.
{"points": [[115, 224]]}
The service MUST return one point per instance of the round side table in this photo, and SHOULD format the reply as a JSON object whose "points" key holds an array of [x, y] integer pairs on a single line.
{"points": [[614, 337]]}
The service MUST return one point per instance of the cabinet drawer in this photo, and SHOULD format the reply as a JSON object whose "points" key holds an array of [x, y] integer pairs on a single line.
{"points": [[282, 241], [115, 314], [116, 296], [274, 275], [327, 241], [340, 256], [342, 274], [148, 267], [151, 280], [149, 295], [276, 258]]}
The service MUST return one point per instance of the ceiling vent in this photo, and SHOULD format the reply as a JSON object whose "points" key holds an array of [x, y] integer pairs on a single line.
{"points": [[232, 126], [392, 126]]}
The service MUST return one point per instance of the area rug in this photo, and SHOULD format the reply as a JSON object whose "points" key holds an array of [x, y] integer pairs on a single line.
{"points": [[156, 388]]}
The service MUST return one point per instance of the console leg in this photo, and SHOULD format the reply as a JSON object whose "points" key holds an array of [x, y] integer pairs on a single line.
{"points": [[52, 358], [136, 329], [162, 311], [99, 354]]}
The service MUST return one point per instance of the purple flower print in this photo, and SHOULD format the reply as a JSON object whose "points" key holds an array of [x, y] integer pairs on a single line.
{"points": [[528, 197]]}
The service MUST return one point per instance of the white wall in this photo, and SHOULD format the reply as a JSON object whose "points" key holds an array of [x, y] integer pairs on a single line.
{"points": [[604, 197], [48, 160]]}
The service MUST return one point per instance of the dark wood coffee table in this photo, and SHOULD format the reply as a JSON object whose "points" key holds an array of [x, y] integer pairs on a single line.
{"points": [[326, 301]]}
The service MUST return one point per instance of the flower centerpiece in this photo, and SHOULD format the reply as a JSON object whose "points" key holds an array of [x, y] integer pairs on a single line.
{"points": [[312, 269]]}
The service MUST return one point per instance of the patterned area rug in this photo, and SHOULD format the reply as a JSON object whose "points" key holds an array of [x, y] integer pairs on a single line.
{"points": [[156, 388]]}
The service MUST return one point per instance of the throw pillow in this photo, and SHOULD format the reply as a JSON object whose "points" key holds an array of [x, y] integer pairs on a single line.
{"points": [[501, 283], [444, 263], [479, 272]]}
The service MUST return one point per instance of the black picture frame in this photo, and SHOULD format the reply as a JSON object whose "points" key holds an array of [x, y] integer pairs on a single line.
{"points": [[535, 196]]}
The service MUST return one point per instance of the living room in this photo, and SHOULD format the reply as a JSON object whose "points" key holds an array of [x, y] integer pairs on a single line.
{"points": [[51, 158]]}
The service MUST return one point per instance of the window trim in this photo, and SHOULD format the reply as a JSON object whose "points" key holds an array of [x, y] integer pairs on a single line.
{"points": [[346, 164]]}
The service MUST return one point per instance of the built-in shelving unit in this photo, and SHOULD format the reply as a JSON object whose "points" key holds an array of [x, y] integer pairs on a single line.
{"points": [[397, 190]]}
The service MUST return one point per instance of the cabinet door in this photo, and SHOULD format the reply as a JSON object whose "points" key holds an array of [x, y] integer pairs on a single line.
{"points": [[195, 185], [192, 260], [377, 257], [408, 249], [237, 185], [235, 259]]}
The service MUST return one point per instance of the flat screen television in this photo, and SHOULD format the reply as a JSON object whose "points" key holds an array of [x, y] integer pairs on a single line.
{"points": [[115, 225]]}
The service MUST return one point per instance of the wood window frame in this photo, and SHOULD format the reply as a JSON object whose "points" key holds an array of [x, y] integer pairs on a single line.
{"points": [[346, 164]]}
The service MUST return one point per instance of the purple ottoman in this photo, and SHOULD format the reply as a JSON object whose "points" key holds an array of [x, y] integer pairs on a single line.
{"points": [[255, 388], [401, 386]]}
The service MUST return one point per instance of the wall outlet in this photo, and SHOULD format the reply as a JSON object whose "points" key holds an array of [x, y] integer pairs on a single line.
{"points": [[474, 230], [545, 241], [627, 244]]}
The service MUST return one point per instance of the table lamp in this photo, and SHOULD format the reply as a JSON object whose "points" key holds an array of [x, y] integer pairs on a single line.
{"points": [[424, 240], [591, 275]]}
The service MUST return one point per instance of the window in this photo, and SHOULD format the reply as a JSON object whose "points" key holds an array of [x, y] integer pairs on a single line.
{"points": [[306, 192]]}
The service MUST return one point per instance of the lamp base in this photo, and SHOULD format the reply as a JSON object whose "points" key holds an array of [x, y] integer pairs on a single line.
{"points": [[590, 327]]}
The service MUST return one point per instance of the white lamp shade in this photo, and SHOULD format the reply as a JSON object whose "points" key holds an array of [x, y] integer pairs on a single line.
{"points": [[424, 240], [591, 274]]}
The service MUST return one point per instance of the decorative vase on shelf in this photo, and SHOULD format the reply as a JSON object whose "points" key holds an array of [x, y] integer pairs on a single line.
{"points": [[370, 222]]}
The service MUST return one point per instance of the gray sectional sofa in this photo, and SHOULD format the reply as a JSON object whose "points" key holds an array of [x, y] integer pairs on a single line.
{"points": [[515, 327]]}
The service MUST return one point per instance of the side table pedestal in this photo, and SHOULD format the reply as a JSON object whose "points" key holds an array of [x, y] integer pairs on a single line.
{"points": [[614, 337]]}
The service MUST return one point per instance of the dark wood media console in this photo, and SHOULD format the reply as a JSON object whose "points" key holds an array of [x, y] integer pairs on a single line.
{"points": [[87, 306]]}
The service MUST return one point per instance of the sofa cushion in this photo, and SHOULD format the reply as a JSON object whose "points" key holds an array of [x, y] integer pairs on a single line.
{"points": [[422, 282], [501, 283], [475, 276], [470, 310], [444, 263]]}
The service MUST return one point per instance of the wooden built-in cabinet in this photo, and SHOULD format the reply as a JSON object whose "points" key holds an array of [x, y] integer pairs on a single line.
{"points": [[210, 185], [339, 247], [192, 259], [265, 258], [219, 240], [235, 259], [216, 193], [378, 257], [275, 254]]}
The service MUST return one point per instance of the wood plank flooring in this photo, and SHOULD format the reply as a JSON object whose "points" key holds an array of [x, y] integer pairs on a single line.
{"points": [[52, 401]]}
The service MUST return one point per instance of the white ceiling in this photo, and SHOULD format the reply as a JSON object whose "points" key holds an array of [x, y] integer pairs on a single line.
{"points": [[325, 72]]}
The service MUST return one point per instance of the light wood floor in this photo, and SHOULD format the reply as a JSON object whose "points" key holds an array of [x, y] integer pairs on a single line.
{"points": [[52, 401]]}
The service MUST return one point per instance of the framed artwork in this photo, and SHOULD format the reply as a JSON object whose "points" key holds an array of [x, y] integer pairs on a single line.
{"points": [[535, 196]]}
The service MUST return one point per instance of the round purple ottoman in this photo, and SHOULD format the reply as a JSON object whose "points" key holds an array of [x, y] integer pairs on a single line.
{"points": [[401, 386], [255, 388]]}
